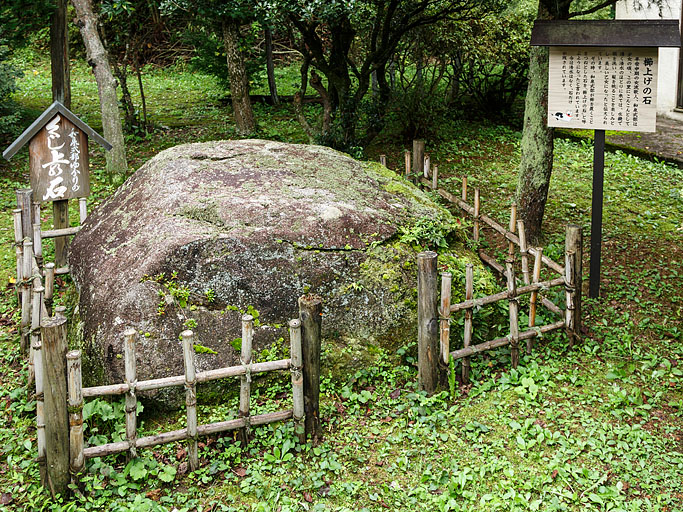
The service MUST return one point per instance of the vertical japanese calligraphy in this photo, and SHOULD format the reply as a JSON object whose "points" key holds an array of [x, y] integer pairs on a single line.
{"points": [[59, 161], [603, 88]]}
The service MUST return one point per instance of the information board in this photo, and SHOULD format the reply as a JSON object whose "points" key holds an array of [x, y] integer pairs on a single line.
{"points": [[601, 88], [58, 157]]}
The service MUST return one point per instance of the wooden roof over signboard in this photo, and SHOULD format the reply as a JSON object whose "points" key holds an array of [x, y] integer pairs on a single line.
{"points": [[45, 117], [616, 33]]}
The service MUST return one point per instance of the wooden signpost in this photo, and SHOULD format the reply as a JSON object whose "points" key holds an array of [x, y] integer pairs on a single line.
{"points": [[58, 161], [603, 76]]}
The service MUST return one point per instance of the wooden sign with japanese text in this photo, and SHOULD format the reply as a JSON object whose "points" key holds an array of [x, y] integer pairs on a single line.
{"points": [[58, 158], [602, 88]]}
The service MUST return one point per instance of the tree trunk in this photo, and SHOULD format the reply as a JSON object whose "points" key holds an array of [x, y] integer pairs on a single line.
{"points": [[270, 67], [106, 87], [537, 143], [239, 82]]}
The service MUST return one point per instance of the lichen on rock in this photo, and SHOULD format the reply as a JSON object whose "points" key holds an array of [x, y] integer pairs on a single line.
{"points": [[204, 231]]}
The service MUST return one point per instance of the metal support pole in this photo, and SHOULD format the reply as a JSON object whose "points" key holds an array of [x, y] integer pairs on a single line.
{"points": [[596, 213]]}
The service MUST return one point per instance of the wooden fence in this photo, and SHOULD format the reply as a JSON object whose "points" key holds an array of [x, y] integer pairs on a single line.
{"points": [[59, 413], [31, 268], [435, 310]]}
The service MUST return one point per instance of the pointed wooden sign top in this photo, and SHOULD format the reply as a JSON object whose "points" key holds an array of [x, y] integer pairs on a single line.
{"points": [[58, 154]]}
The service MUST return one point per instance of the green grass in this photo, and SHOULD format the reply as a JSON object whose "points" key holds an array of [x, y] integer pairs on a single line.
{"points": [[595, 428]]}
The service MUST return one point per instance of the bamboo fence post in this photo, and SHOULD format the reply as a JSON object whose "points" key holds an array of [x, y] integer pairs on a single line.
{"points": [[19, 250], [38, 245], [53, 334], [430, 374], [36, 314], [467, 335], [76, 457], [513, 225], [82, 209], [475, 233], [406, 156], [27, 272], [523, 250], [40, 409], [131, 380], [426, 165], [435, 178], [310, 314], [25, 204], [383, 160], [418, 157], [445, 315], [245, 384], [570, 285], [574, 242], [534, 295], [464, 188], [36, 212], [190, 398], [49, 285], [514, 312], [297, 378]]}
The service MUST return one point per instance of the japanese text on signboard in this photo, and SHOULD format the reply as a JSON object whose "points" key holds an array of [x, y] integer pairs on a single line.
{"points": [[603, 88]]}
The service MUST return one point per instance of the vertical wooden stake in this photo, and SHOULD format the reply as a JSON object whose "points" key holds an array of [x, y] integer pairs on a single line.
{"points": [[82, 209], [445, 314], [435, 178], [53, 334], [26, 296], [538, 261], [310, 314], [60, 218], [49, 285], [513, 226], [25, 204], [569, 284], [38, 244], [190, 398], [19, 249], [76, 457], [407, 159], [514, 312], [131, 400], [431, 375], [523, 250], [418, 157], [383, 160], [36, 314], [426, 167], [40, 408], [467, 335], [297, 378], [245, 385], [464, 188], [574, 243], [475, 233]]}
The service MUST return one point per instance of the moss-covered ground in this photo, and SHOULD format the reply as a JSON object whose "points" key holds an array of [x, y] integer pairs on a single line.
{"points": [[599, 427]]}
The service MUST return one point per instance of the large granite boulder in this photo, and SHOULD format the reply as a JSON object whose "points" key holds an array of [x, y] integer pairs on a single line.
{"points": [[205, 231]]}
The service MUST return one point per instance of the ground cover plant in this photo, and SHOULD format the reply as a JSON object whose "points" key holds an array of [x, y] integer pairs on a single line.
{"points": [[595, 428]]}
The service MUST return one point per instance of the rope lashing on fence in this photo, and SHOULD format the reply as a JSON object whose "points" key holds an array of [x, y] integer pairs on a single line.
{"points": [[131, 393], [247, 368]]}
